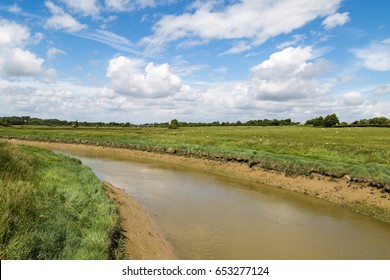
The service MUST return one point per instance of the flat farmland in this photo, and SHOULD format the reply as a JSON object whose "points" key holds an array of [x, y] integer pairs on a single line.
{"points": [[294, 150]]}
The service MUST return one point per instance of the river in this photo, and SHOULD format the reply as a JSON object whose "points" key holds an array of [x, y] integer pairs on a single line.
{"points": [[205, 216]]}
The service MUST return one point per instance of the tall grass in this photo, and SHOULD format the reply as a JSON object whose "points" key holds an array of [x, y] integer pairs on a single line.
{"points": [[52, 207]]}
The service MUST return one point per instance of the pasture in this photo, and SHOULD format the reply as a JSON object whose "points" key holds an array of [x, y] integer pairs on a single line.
{"points": [[295, 150]]}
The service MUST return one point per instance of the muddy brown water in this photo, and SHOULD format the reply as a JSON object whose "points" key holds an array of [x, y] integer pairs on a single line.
{"points": [[205, 216]]}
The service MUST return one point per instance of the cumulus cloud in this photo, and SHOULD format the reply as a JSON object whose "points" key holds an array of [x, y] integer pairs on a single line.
{"points": [[375, 57], [13, 34], [131, 77], [62, 100], [288, 74], [257, 20], [14, 59], [353, 98], [336, 20], [18, 62], [85, 7], [61, 20]]}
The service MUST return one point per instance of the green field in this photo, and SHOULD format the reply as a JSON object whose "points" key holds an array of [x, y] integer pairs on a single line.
{"points": [[295, 150], [52, 207]]}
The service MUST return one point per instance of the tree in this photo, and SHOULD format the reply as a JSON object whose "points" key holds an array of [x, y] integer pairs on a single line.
{"points": [[174, 124], [331, 120], [75, 124], [316, 121], [4, 123], [380, 120]]}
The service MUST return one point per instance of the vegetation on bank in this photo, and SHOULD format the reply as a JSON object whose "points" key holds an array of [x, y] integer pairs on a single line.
{"points": [[362, 153], [52, 207]]}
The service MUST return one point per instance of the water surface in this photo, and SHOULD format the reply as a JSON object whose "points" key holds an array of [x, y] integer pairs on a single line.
{"points": [[205, 216]]}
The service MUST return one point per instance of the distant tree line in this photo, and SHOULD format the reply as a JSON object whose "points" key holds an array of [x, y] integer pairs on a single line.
{"points": [[373, 121], [332, 120], [264, 122], [26, 120], [327, 121]]}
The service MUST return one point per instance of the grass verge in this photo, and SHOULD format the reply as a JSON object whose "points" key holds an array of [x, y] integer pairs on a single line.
{"points": [[52, 207]]}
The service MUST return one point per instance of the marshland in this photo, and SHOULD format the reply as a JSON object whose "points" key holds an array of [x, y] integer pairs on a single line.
{"points": [[347, 167]]}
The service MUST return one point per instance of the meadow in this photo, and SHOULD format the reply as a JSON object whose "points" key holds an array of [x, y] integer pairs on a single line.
{"points": [[363, 153], [52, 208]]}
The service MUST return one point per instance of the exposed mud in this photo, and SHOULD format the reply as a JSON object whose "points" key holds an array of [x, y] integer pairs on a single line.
{"points": [[143, 239]]}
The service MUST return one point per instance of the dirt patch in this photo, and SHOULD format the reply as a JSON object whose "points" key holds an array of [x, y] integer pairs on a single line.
{"points": [[353, 195], [142, 238]]}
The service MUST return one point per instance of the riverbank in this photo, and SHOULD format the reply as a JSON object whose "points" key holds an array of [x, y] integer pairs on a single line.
{"points": [[143, 240], [54, 208], [360, 197]]}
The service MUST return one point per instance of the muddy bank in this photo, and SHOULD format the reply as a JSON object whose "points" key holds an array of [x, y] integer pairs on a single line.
{"points": [[357, 196], [143, 240]]}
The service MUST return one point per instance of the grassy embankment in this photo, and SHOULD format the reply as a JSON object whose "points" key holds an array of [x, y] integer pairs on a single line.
{"points": [[52, 207], [363, 153]]}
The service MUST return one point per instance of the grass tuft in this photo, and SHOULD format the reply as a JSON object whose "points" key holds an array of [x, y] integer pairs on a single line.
{"points": [[54, 208]]}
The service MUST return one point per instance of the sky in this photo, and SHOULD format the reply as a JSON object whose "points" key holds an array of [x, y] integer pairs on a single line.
{"points": [[145, 61]]}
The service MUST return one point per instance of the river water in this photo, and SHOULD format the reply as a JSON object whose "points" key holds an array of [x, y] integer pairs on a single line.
{"points": [[205, 216]]}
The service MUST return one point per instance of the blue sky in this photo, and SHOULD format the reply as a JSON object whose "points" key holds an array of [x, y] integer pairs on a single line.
{"points": [[145, 61]]}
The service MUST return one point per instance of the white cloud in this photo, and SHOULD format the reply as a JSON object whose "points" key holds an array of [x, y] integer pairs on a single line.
{"points": [[130, 77], [353, 98], [13, 34], [239, 47], [62, 100], [336, 20], [128, 5], [382, 90], [15, 9], [257, 20], [14, 60], [111, 39], [85, 7], [53, 52], [289, 74], [50, 76], [345, 78], [184, 68], [375, 57], [61, 20], [18, 62], [297, 38]]}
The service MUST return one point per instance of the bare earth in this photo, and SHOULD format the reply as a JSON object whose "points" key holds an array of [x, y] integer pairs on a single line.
{"points": [[143, 239], [355, 196]]}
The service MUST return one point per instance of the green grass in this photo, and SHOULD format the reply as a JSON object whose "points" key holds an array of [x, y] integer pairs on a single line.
{"points": [[296, 150], [52, 207]]}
